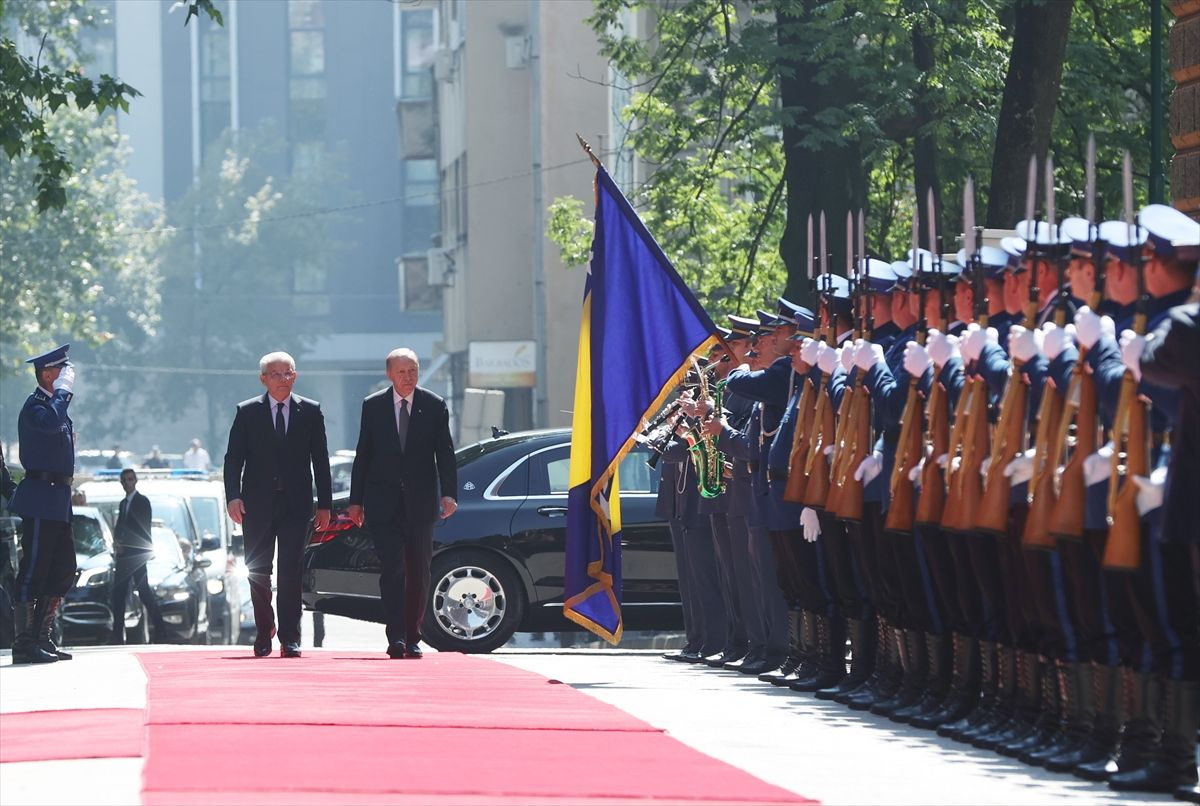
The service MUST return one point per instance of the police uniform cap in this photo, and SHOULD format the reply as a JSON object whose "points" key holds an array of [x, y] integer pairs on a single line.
{"points": [[805, 322], [1014, 250], [742, 325], [54, 358], [903, 274], [879, 276], [921, 260], [768, 321], [993, 259], [1124, 242], [1080, 232], [1170, 232], [724, 332], [833, 285]]}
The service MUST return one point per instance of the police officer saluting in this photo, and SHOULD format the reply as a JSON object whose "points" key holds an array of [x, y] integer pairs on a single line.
{"points": [[43, 500]]}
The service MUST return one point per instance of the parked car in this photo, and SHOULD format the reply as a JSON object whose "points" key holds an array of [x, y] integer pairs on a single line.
{"points": [[498, 563], [193, 505], [87, 614], [176, 572]]}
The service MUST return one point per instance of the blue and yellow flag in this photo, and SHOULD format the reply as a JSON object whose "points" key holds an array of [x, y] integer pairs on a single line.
{"points": [[641, 325]]}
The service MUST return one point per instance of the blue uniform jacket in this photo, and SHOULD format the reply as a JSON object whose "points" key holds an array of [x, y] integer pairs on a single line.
{"points": [[47, 445]]}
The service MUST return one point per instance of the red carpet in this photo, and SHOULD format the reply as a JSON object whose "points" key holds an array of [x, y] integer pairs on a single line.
{"points": [[450, 729], [91, 733]]}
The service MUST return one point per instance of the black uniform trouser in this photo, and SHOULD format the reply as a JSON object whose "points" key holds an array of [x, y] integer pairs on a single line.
{"points": [[1020, 614], [943, 577], [986, 572], [1163, 599], [879, 557], [703, 604], [968, 596], [750, 602], [1096, 638], [919, 608], [405, 552], [262, 531], [1055, 634], [47, 559], [813, 594], [735, 635], [845, 587], [130, 572]]}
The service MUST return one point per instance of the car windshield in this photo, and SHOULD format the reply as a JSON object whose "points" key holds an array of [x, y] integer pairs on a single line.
{"points": [[168, 555], [89, 537], [208, 514], [173, 512]]}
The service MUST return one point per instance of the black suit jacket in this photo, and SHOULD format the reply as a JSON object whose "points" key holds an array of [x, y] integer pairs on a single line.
{"points": [[382, 471], [131, 535], [255, 465]]}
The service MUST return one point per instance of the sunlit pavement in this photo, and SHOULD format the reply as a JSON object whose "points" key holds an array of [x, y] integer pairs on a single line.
{"points": [[817, 749]]}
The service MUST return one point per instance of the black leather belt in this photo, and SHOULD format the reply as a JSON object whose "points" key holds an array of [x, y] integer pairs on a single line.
{"points": [[53, 478]]}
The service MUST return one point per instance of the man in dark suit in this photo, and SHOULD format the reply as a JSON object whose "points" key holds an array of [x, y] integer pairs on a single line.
{"points": [[132, 548], [277, 447], [404, 455]]}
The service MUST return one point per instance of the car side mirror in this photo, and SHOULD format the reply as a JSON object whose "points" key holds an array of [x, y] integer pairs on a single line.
{"points": [[210, 542], [203, 562]]}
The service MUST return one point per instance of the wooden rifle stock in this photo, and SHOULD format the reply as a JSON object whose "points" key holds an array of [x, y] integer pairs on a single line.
{"points": [[816, 466], [901, 514], [968, 482], [859, 436], [1080, 409], [953, 510], [1042, 496], [794, 489], [992, 516], [1124, 547], [932, 502], [845, 414]]}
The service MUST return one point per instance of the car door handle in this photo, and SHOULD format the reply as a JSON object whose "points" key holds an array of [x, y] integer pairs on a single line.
{"points": [[552, 512]]}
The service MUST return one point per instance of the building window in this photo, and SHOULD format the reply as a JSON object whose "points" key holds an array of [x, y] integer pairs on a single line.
{"points": [[214, 79], [454, 211], [306, 82], [416, 293], [416, 58], [420, 183]]}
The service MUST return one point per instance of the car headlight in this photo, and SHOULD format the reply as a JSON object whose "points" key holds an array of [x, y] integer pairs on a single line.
{"points": [[215, 586], [92, 576], [180, 596]]}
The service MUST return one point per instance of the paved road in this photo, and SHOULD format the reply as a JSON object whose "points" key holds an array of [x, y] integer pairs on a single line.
{"points": [[817, 749]]}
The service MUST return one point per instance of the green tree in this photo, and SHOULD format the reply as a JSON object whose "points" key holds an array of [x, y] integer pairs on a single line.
{"points": [[243, 243]]}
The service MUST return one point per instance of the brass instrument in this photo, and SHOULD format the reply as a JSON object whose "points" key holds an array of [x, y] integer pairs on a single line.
{"points": [[709, 461]]}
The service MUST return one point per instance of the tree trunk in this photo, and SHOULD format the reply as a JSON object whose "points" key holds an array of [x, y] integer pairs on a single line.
{"points": [[925, 173], [1031, 87], [829, 177]]}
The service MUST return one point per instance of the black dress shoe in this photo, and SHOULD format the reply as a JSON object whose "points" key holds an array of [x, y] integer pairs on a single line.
{"points": [[414, 651], [290, 650], [262, 647], [395, 650]]}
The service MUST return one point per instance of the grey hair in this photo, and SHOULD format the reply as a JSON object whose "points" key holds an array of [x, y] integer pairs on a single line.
{"points": [[402, 352], [275, 358]]}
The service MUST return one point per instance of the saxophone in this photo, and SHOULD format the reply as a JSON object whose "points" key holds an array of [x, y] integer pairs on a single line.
{"points": [[710, 462]]}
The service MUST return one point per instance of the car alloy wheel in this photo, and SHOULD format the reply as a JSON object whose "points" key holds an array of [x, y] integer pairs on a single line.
{"points": [[476, 602]]}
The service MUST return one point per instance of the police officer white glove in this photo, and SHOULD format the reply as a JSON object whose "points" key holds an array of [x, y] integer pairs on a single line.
{"points": [[975, 340], [1098, 466], [1020, 470], [1090, 326], [1057, 339], [809, 350], [828, 359], [943, 460], [846, 355], [1150, 490], [914, 475], [65, 380], [916, 359], [870, 467], [1024, 344], [1131, 352], [811, 524], [984, 465], [868, 355], [942, 347]]}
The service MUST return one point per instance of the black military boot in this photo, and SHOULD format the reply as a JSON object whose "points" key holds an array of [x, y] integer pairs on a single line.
{"points": [[963, 693], [43, 618], [776, 677], [862, 659], [937, 680], [1002, 709], [831, 655], [884, 681], [1067, 734], [915, 659], [1096, 721], [25, 647], [1046, 720], [809, 667], [1139, 733], [1172, 763], [1024, 707], [979, 708]]}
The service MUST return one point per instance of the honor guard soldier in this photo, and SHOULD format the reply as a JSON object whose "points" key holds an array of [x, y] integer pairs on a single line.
{"points": [[43, 500]]}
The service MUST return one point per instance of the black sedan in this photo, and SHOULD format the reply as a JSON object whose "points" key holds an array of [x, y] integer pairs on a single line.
{"points": [[87, 616], [498, 563], [181, 587]]}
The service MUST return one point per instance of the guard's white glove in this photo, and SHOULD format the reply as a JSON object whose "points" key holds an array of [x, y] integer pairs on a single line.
{"points": [[916, 359], [868, 355], [65, 380], [1020, 470], [975, 339], [943, 460], [808, 351], [1089, 327], [914, 475], [811, 524], [846, 356], [1150, 490], [1131, 352], [1024, 344], [828, 359], [984, 465], [827, 450], [942, 347], [1057, 339], [870, 467], [1098, 466]]}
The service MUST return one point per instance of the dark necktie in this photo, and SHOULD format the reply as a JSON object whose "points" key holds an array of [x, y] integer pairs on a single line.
{"points": [[280, 428], [402, 422]]}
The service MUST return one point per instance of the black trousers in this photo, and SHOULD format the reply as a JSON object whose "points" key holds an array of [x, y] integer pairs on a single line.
{"points": [[131, 572], [735, 635], [810, 572], [1162, 597], [845, 586], [405, 550], [263, 532], [986, 571], [47, 559]]}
